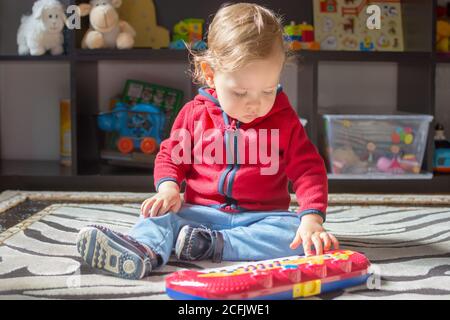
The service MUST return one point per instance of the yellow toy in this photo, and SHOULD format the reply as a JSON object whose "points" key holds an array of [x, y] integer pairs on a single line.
{"points": [[142, 16], [443, 35], [300, 36]]}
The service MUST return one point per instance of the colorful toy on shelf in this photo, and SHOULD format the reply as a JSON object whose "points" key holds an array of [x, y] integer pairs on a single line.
{"points": [[371, 147], [141, 15], [342, 25], [404, 135], [300, 36], [366, 44], [443, 36], [375, 145], [139, 127], [443, 28], [345, 160], [285, 278], [190, 32], [106, 29], [441, 151], [169, 100], [392, 165]]}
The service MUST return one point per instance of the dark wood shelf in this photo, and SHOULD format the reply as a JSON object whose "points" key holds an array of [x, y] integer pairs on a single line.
{"points": [[46, 58], [33, 168], [132, 55], [79, 183], [359, 56], [161, 55], [442, 58], [438, 184], [144, 183]]}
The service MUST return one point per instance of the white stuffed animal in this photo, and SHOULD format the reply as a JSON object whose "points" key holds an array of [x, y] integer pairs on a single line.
{"points": [[42, 30]]}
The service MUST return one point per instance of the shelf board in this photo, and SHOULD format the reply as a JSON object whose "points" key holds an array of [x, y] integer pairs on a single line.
{"points": [[380, 176], [129, 182], [33, 168], [443, 57], [17, 58], [132, 54], [183, 56], [363, 56], [438, 184]]}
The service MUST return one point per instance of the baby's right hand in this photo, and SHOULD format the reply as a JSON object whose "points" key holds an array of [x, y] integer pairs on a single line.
{"points": [[167, 199]]}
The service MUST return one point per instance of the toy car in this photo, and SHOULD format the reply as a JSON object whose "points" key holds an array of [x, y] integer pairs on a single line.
{"points": [[139, 127], [284, 278]]}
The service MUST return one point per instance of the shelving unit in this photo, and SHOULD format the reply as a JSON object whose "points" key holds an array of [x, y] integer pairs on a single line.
{"points": [[415, 91]]}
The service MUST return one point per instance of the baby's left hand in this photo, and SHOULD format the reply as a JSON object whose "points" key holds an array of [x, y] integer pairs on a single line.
{"points": [[312, 232]]}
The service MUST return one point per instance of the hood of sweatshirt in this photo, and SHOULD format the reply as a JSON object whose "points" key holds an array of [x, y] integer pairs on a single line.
{"points": [[208, 98]]}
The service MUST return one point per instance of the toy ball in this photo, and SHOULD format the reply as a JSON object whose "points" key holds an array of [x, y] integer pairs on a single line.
{"points": [[383, 164], [409, 138], [396, 138]]}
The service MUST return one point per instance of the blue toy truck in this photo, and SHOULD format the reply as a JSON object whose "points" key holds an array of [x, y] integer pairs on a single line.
{"points": [[139, 127]]}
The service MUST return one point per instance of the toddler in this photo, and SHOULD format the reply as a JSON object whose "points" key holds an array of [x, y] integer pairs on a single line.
{"points": [[236, 145]]}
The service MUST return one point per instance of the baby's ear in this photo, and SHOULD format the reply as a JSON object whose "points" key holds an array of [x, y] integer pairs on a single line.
{"points": [[208, 73]]}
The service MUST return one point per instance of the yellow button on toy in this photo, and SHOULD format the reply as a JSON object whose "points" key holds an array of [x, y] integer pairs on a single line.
{"points": [[307, 289]]}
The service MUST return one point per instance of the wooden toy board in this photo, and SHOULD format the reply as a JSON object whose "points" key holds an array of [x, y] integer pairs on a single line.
{"points": [[342, 25]]}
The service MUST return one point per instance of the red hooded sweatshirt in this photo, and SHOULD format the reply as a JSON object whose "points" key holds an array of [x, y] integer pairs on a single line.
{"points": [[235, 183]]}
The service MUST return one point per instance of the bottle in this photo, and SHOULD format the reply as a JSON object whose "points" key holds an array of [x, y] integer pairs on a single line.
{"points": [[65, 134], [441, 150]]}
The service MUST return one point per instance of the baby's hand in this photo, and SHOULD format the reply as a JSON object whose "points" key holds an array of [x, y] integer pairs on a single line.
{"points": [[312, 232], [167, 199]]}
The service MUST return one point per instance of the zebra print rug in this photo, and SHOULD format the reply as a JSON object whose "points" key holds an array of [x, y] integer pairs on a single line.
{"points": [[408, 246]]}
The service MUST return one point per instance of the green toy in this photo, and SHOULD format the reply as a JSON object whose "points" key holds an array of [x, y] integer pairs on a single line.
{"points": [[188, 31], [167, 99]]}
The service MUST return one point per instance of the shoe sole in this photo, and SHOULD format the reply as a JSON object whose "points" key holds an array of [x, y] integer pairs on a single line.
{"points": [[181, 240], [100, 251]]}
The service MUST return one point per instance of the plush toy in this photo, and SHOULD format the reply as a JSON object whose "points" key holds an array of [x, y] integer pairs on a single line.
{"points": [[42, 30], [106, 29], [345, 160], [443, 35], [141, 15]]}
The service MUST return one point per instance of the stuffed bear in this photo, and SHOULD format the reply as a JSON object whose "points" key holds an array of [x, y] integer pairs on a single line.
{"points": [[106, 29], [42, 30]]}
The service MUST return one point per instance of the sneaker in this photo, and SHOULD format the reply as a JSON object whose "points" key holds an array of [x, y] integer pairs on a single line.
{"points": [[115, 253], [199, 244]]}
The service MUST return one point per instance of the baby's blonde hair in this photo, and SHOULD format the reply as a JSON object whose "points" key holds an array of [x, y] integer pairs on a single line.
{"points": [[239, 34]]}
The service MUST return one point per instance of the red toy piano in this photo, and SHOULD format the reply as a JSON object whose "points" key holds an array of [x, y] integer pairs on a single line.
{"points": [[284, 278]]}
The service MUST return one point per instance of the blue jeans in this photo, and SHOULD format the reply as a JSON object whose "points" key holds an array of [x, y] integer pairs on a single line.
{"points": [[251, 235]]}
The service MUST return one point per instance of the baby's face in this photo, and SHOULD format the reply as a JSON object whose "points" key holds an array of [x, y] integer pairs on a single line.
{"points": [[250, 92]]}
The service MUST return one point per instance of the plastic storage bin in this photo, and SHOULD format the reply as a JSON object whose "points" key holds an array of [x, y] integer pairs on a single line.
{"points": [[376, 146]]}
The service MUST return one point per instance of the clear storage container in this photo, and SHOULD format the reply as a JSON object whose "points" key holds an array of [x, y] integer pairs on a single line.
{"points": [[376, 146]]}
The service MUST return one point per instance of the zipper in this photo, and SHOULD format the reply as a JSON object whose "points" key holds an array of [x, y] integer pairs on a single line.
{"points": [[231, 172]]}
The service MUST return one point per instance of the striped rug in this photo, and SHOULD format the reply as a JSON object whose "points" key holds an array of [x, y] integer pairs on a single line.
{"points": [[409, 247]]}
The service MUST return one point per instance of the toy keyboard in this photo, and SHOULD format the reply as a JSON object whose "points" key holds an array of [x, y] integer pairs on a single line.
{"points": [[284, 278]]}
